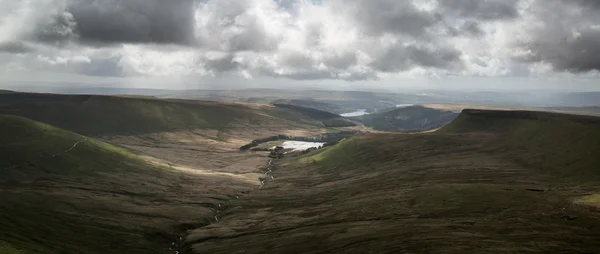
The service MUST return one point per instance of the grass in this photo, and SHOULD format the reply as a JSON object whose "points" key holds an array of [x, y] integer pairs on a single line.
{"points": [[28, 143], [95, 115], [591, 200], [8, 249], [95, 198], [108, 115], [460, 190], [561, 144], [328, 119], [409, 119]]}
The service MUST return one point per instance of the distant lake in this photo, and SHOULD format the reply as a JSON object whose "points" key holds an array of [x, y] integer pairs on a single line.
{"points": [[404, 105], [360, 112]]}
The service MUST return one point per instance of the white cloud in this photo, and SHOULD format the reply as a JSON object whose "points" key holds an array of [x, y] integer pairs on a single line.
{"points": [[300, 39]]}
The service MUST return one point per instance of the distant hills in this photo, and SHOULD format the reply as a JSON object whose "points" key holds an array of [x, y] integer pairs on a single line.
{"points": [[407, 119], [101, 115], [328, 119]]}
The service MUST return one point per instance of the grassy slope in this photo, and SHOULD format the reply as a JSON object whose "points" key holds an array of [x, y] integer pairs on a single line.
{"points": [[100, 115], [416, 118], [327, 118], [460, 190], [315, 104], [96, 198], [565, 145]]}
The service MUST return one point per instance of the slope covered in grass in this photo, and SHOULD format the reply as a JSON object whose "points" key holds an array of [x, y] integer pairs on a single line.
{"points": [[408, 119], [61, 192], [459, 190], [327, 118], [562, 144], [101, 115]]}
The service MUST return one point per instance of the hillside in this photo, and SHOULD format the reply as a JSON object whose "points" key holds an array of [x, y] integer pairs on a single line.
{"points": [[499, 182], [327, 118], [408, 119], [102, 115], [563, 144], [66, 193], [315, 104]]}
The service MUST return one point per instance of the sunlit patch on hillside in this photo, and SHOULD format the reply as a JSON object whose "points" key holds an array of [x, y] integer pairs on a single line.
{"points": [[590, 200]]}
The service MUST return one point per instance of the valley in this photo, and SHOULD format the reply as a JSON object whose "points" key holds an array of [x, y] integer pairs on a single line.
{"points": [[113, 174]]}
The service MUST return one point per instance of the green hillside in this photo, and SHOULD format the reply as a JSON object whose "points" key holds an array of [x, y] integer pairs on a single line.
{"points": [[98, 115], [458, 190], [566, 145], [62, 192], [327, 118], [408, 119]]}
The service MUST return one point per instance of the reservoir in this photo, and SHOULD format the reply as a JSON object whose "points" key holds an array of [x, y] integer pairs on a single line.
{"points": [[300, 145], [360, 112]]}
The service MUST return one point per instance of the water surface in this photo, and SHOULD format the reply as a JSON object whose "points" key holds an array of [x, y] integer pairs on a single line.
{"points": [[300, 145], [360, 112]]}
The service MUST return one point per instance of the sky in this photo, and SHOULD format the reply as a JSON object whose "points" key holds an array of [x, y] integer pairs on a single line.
{"points": [[350, 44]]}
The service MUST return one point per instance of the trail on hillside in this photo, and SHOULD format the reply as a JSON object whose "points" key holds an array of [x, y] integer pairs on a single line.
{"points": [[47, 158]]}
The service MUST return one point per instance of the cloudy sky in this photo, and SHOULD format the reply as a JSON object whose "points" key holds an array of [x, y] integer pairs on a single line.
{"points": [[347, 43]]}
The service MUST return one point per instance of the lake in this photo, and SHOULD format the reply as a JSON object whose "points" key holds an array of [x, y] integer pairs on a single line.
{"points": [[360, 112], [300, 145]]}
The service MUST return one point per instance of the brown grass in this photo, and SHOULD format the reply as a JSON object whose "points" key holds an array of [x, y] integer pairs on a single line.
{"points": [[397, 193]]}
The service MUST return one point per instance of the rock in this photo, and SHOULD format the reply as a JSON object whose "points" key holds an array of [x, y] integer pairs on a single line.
{"points": [[568, 218]]}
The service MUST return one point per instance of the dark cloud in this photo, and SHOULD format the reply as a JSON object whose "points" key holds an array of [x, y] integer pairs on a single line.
{"points": [[15, 47], [233, 26], [134, 21], [298, 61], [222, 64], [105, 67], [569, 37], [469, 28], [58, 30], [585, 3], [481, 9], [319, 75], [472, 28], [579, 54], [391, 16], [399, 58], [340, 61]]}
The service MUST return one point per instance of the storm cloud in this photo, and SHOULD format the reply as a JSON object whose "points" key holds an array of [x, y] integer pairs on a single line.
{"points": [[15, 47], [566, 35], [345, 40], [481, 9], [134, 21]]}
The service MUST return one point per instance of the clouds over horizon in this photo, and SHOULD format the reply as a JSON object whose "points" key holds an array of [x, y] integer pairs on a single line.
{"points": [[300, 39]]}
